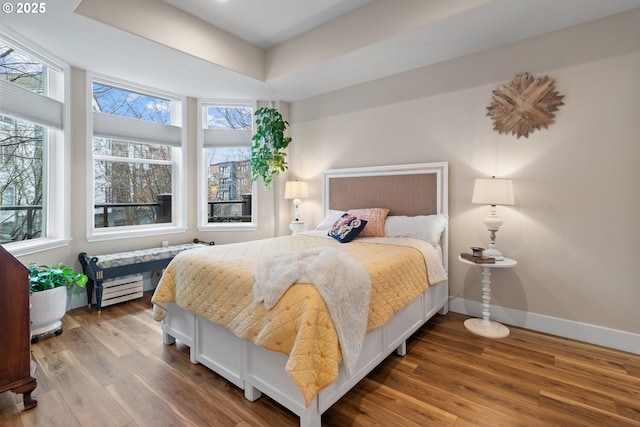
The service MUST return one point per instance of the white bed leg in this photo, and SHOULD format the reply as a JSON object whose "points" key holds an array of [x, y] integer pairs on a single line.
{"points": [[311, 417], [445, 308], [167, 339], [192, 355], [251, 393], [402, 350]]}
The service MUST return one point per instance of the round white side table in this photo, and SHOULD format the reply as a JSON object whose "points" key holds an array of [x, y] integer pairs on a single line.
{"points": [[297, 227], [486, 327]]}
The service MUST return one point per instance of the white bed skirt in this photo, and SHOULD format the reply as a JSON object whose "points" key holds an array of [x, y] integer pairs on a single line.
{"points": [[257, 370]]}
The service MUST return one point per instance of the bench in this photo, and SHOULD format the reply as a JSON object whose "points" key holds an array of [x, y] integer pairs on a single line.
{"points": [[100, 268]]}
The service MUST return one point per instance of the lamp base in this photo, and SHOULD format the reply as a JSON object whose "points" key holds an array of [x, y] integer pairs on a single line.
{"points": [[493, 253]]}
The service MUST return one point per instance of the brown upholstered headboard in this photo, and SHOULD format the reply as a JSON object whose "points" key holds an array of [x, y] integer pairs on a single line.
{"points": [[394, 192], [415, 189]]}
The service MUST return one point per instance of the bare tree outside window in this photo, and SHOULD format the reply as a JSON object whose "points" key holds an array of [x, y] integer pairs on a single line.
{"points": [[131, 178], [21, 155], [21, 70], [126, 103]]}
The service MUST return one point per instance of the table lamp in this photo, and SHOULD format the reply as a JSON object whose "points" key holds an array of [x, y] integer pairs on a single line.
{"points": [[296, 190], [493, 191]]}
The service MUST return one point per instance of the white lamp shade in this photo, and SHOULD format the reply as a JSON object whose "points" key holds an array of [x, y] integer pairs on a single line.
{"points": [[296, 190], [493, 191]]}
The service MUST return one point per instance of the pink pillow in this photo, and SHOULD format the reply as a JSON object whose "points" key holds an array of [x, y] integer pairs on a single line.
{"points": [[375, 218]]}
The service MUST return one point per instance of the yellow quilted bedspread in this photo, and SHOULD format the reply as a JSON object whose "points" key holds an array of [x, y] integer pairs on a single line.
{"points": [[216, 283]]}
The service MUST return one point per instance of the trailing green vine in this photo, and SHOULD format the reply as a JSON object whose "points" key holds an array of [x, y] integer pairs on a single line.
{"points": [[268, 156]]}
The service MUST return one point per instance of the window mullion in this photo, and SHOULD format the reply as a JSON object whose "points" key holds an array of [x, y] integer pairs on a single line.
{"points": [[117, 159]]}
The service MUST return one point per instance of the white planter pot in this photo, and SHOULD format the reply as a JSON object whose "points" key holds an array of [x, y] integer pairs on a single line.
{"points": [[47, 308]]}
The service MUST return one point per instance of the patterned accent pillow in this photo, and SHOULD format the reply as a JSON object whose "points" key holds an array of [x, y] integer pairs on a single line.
{"points": [[375, 218], [347, 228]]}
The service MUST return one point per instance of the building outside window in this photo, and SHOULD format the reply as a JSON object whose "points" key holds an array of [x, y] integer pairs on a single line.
{"points": [[227, 128]]}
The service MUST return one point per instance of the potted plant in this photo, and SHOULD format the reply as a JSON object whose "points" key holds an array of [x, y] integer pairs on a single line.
{"points": [[49, 287], [269, 145]]}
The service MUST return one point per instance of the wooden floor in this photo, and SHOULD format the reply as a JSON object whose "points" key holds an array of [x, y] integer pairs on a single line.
{"points": [[113, 370]]}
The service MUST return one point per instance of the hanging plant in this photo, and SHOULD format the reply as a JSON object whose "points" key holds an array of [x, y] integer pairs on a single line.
{"points": [[269, 145]]}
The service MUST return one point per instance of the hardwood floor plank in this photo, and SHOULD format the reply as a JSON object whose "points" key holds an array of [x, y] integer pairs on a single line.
{"points": [[560, 346], [112, 369], [632, 366], [173, 387], [557, 375], [405, 410], [589, 415], [439, 359], [52, 411], [145, 406], [500, 393], [10, 409], [444, 396], [546, 378], [551, 379], [69, 323], [145, 336], [630, 410], [86, 397], [177, 356], [613, 375], [48, 345], [259, 413], [101, 327], [97, 358]]}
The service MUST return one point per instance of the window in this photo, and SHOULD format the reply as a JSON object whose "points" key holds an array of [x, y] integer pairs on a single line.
{"points": [[136, 158], [32, 149], [227, 188]]}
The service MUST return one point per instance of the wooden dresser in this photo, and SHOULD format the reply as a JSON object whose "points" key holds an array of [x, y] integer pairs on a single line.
{"points": [[16, 367]]}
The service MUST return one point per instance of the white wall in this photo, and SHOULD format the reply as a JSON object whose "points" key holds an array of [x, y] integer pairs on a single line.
{"points": [[574, 229]]}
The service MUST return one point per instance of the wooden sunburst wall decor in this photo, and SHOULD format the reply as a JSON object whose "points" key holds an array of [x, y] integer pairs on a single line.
{"points": [[524, 105]]}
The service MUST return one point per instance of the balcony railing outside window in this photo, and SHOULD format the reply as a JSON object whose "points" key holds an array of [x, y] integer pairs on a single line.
{"points": [[19, 223], [25, 222], [230, 210], [122, 214]]}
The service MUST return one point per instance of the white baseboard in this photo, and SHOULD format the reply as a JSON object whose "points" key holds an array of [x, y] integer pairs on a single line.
{"points": [[598, 335]]}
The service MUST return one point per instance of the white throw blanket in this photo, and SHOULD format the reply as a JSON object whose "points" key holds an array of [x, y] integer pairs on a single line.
{"points": [[341, 280]]}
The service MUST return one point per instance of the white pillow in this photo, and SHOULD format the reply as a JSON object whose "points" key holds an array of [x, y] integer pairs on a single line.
{"points": [[424, 227], [329, 220]]}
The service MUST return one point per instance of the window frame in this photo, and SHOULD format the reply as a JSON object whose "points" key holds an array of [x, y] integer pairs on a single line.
{"points": [[178, 197], [202, 170], [56, 146]]}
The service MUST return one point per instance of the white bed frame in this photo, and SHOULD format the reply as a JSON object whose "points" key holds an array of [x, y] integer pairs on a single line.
{"points": [[258, 371]]}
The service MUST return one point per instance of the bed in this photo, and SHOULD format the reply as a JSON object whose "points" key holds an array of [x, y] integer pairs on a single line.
{"points": [[298, 351]]}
